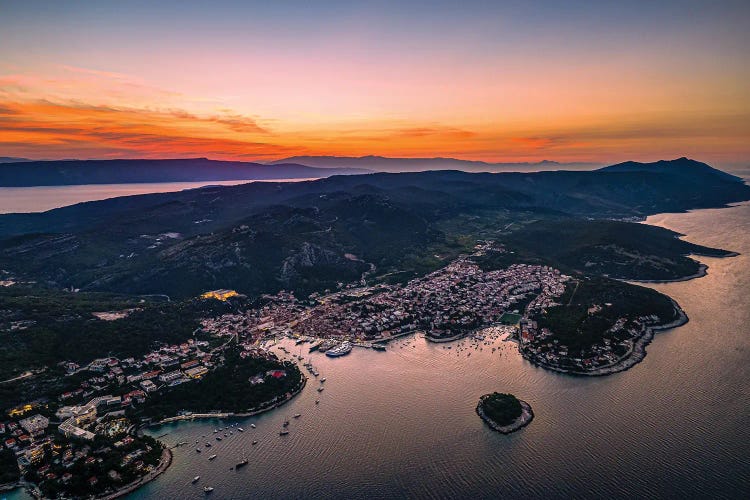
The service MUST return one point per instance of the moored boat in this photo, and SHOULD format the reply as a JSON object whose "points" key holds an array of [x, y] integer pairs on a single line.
{"points": [[340, 350]]}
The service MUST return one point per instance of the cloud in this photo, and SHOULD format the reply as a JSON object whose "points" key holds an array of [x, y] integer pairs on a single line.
{"points": [[70, 129]]}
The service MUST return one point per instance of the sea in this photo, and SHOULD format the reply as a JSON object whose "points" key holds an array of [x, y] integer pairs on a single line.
{"points": [[402, 423], [43, 198]]}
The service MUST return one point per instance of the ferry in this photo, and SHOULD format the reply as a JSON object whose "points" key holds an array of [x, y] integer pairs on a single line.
{"points": [[208, 489], [212, 457], [340, 350], [196, 479]]}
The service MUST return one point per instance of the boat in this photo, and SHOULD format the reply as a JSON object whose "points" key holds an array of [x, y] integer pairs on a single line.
{"points": [[323, 379], [254, 443], [317, 401], [297, 415], [208, 445], [378, 347], [340, 350], [252, 425], [241, 464], [218, 438], [299, 341], [283, 432], [216, 431], [315, 346], [212, 457], [208, 489], [196, 479], [286, 423], [326, 344], [320, 389], [198, 450], [240, 429]]}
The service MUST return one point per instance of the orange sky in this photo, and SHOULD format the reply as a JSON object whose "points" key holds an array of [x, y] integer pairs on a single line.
{"points": [[484, 87]]}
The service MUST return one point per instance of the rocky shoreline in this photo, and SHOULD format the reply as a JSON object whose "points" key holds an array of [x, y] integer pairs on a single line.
{"points": [[164, 463], [702, 271], [197, 416], [527, 415], [636, 355]]}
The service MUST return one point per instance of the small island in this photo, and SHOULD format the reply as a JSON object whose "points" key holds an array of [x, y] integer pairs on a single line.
{"points": [[504, 412]]}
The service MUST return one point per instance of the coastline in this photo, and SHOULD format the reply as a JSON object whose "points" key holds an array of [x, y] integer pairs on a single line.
{"points": [[167, 455], [441, 340], [702, 271], [527, 415], [164, 463], [629, 360], [199, 416]]}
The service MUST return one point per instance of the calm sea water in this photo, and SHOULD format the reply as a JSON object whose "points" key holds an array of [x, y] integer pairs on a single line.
{"points": [[402, 423], [43, 198]]}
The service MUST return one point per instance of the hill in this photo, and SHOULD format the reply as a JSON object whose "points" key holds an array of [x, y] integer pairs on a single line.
{"points": [[71, 172], [385, 164], [308, 236]]}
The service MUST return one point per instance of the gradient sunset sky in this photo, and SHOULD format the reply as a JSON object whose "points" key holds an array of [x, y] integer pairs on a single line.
{"points": [[494, 81]]}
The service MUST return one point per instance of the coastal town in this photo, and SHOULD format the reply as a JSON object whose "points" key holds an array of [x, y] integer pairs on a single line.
{"points": [[91, 432]]}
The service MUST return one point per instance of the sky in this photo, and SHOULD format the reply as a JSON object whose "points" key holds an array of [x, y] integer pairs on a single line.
{"points": [[495, 81]]}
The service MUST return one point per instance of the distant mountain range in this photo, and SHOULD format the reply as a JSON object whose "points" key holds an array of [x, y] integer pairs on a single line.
{"points": [[11, 159], [73, 172], [384, 164]]}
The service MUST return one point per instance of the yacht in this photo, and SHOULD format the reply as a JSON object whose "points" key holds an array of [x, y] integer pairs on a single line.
{"points": [[195, 479], [340, 350]]}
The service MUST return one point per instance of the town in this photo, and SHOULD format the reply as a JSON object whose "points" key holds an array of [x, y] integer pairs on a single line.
{"points": [[58, 441]]}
